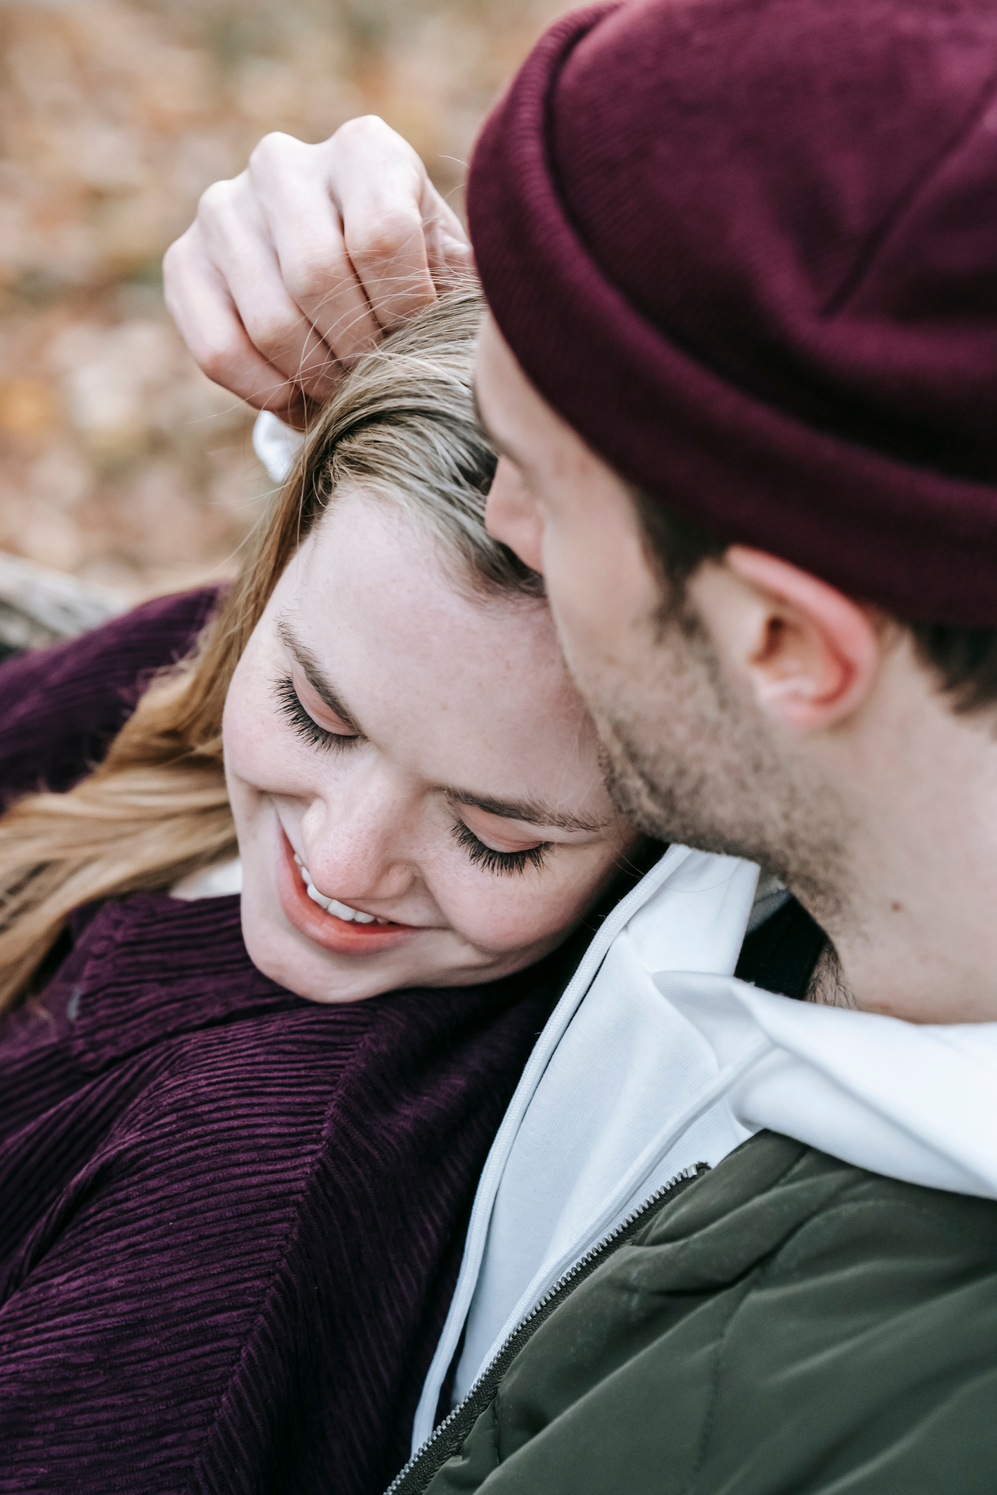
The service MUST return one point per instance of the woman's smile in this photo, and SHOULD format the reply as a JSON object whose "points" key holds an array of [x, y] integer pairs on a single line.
{"points": [[438, 811], [353, 935], [333, 905]]}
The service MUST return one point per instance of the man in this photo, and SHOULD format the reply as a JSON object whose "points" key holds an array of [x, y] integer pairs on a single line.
{"points": [[740, 368]]}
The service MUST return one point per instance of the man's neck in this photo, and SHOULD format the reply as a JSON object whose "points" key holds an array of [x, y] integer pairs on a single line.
{"points": [[917, 934]]}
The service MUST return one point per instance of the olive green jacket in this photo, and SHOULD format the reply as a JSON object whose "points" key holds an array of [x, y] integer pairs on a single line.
{"points": [[783, 1325]]}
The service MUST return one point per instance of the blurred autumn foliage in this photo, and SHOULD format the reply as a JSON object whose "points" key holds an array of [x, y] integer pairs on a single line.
{"points": [[119, 462]]}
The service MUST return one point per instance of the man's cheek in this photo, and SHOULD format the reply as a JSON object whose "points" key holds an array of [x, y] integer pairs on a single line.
{"points": [[585, 635]]}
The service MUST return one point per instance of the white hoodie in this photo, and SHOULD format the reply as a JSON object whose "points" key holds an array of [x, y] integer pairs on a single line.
{"points": [[656, 1058]]}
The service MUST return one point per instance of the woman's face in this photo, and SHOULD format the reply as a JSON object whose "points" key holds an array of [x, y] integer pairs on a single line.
{"points": [[415, 783]]}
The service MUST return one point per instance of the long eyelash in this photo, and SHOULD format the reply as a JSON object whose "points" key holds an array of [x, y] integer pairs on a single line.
{"points": [[306, 726], [496, 861], [481, 855]]}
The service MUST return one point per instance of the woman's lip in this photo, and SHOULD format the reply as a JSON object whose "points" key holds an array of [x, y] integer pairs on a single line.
{"points": [[341, 936]]}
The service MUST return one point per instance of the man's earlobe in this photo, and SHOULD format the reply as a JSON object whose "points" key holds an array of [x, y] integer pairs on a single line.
{"points": [[809, 653]]}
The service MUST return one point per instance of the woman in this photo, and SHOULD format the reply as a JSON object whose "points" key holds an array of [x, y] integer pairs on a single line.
{"points": [[621, 1093], [238, 1157]]}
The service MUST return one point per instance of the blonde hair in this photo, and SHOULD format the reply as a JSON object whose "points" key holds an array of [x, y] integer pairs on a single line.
{"points": [[156, 808]]}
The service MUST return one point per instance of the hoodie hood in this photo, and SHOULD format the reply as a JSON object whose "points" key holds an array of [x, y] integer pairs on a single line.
{"points": [[917, 1102]]}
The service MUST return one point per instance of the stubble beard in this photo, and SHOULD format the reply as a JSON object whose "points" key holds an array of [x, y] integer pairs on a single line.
{"points": [[691, 762]]}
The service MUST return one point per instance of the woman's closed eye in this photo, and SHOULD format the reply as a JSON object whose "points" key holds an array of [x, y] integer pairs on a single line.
{"points": [[483, 855], [336, 735], [291, 707]]}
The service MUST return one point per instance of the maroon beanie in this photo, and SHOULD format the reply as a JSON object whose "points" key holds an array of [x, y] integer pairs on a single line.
{"points": [[748, 249]]}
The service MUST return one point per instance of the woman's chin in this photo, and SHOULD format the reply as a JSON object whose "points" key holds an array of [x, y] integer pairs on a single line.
{"points": [[294, 962], [302, 947], [321, 958]]}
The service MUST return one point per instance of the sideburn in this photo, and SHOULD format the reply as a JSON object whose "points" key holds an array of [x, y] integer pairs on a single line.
{"points": [[698, 764]]}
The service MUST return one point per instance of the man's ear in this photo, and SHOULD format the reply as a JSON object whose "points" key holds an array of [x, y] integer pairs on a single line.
{"points": [[512, 516], [807, 653]]}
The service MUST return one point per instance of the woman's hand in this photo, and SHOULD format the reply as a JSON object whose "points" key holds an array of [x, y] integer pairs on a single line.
{"points": [[299, 264]]}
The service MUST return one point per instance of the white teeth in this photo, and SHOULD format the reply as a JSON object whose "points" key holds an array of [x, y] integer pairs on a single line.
{"points": [[333, 905], [341, 910]]}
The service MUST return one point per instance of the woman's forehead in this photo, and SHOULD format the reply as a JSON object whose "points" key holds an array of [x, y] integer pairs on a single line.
{"points": [[452, 682], [373, 574]]}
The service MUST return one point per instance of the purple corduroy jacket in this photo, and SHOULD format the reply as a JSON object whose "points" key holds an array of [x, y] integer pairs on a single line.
{"points": [[231, 1218]]}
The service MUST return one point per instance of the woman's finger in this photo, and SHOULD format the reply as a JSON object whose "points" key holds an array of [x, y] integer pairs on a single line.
{"points": [[447, 245], [379, 185], [236, 235], [207, 273], [290, 185], [199, 302], [294, 268]]}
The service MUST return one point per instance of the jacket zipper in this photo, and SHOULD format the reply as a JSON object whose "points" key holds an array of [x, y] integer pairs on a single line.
{"points": [[447, 1438]]}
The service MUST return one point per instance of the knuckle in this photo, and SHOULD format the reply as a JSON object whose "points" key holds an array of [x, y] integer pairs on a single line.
{"points": [[180, 269], [216, 199], [214, 359], [272, 152], [268, 332], [173, 258], [362, 127], [310, 275], [379, 242], [267, 145]]}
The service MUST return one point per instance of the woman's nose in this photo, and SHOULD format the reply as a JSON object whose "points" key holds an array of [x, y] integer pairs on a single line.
{"points": [[359, 849]]}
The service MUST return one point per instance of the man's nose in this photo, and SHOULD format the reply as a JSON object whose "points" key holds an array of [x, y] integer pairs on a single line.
{"points": [[511, 515]]}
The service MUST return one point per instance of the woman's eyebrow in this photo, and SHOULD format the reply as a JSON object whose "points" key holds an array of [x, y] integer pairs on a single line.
{"points": [[315, 676], [534, 812]]}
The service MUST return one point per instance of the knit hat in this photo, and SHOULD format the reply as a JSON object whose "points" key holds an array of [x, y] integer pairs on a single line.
{"points": [[748, 250]]}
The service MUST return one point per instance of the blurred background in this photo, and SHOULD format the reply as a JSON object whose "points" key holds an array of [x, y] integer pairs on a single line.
{"points": [[120, 464]]}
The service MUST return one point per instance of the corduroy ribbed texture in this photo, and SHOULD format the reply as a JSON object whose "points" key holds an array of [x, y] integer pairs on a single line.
{"points": [[60, 708], [231, 1218]]}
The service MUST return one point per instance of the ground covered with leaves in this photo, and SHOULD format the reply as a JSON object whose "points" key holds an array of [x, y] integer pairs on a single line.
{"points": [[119, 462]]}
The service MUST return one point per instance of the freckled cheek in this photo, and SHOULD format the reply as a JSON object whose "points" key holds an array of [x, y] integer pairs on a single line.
{"points": [[244, 736], [260, 751], [504, 918]]}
